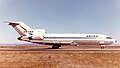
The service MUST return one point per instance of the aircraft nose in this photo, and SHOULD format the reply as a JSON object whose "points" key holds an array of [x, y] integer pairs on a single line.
{"points": [[114, 41]]}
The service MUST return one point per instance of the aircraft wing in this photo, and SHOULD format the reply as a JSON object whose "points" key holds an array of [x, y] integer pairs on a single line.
{"points": [[52, 42]]}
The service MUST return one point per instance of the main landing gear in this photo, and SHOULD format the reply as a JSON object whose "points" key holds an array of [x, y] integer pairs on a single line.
{"points": [[102, 46], [56, 46]]}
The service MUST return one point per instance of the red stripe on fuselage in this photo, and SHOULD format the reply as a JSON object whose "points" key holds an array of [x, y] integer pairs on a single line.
{"points": [[23, 28]]}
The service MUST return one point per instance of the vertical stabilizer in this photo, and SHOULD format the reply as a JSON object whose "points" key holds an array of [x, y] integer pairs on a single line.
{"points": [[20, 27]]}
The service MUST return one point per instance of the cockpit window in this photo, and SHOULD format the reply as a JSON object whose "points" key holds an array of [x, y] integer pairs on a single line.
{"points": [[108, 38]]}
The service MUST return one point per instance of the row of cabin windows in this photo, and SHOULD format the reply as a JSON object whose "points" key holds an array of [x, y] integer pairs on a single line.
{"points": [[92, 36], [97, 36], [72, 37], [28, 31], [78, 37]]}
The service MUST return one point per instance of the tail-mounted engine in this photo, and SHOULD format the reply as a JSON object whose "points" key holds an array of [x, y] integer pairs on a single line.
{"points": [[35, 38], [25, 38]]}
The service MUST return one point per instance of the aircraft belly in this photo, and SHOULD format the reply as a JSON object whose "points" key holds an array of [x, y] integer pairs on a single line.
{"points": [[92, 42], [86, 42], [71, 42], [51, 42]]}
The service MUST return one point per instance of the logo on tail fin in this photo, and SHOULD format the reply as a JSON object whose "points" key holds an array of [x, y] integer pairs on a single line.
{"points": [[13, 24], [23, 28]]}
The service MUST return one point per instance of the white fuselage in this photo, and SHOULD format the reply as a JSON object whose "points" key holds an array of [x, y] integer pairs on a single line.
{"points": [[77, 39]]}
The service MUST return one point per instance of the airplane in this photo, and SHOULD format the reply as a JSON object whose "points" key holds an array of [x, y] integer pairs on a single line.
{"points": [[40, 36]]}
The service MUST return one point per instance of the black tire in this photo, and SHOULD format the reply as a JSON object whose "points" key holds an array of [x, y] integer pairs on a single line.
{"points": [[102, 47], [56, 46]]}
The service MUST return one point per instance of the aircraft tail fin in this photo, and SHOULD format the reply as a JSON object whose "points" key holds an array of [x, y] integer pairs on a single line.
{"points": [[20, 27]]}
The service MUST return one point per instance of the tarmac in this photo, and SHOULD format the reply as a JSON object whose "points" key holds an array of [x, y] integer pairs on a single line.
{"points": [[91, 49]]}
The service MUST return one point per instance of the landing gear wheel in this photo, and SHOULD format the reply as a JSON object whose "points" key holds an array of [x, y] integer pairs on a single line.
{"points": [[102, 46], [56, 46]]}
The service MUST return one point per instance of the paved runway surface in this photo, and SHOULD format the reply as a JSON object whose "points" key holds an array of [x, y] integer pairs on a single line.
{"points": [[60, 49]]}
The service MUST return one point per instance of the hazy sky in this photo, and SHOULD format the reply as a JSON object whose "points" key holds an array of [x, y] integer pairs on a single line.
{"points": [[61, 16]]}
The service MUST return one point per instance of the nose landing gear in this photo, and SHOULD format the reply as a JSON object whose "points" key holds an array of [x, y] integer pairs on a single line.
{"points": [[102, 46]]}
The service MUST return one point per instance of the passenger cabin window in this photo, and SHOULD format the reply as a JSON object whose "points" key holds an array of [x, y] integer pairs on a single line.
{"points": [[92, 36], [28, 31], [108, 38]]}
